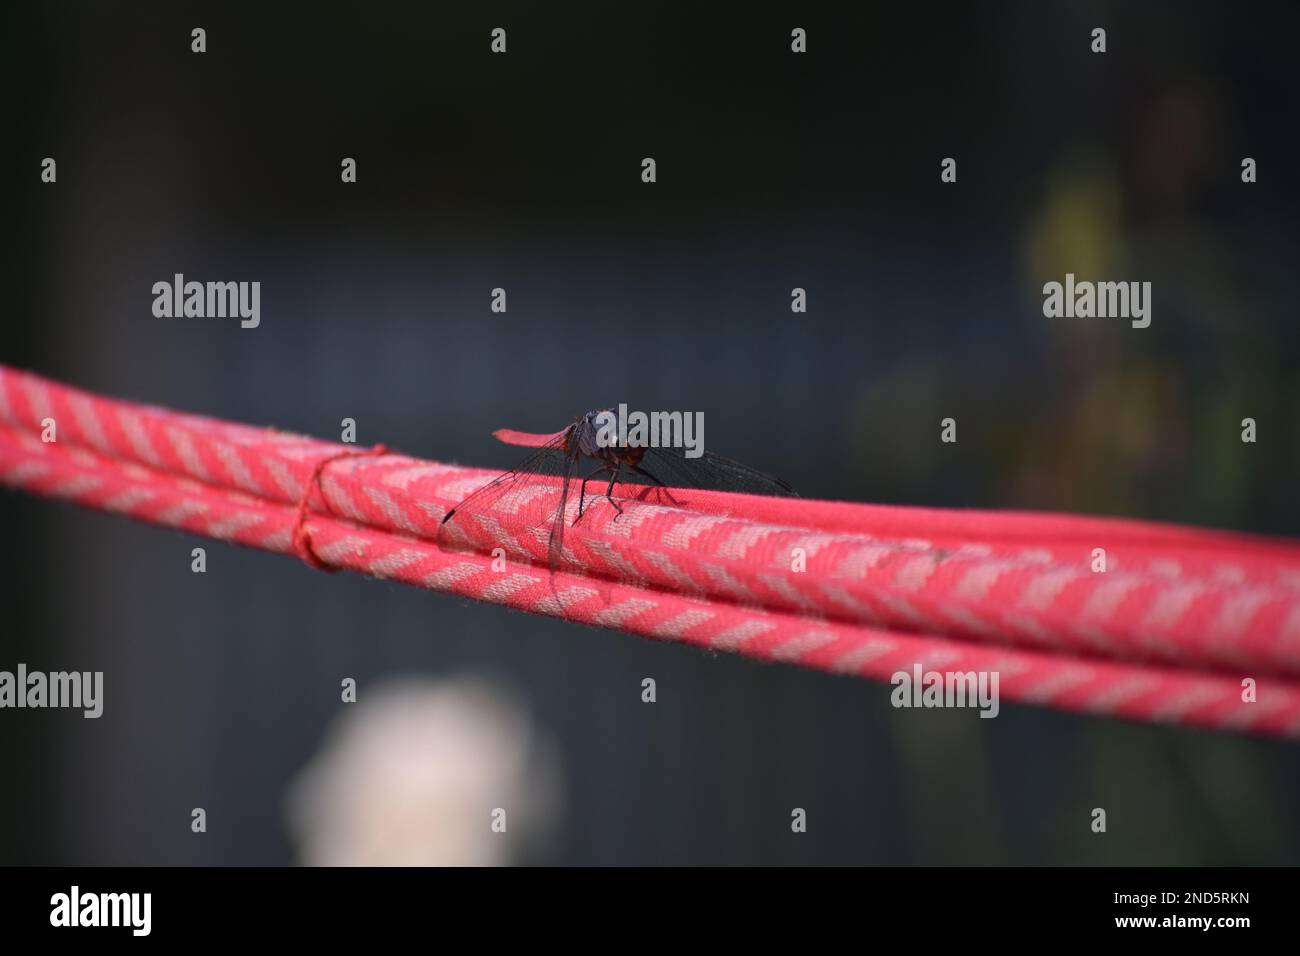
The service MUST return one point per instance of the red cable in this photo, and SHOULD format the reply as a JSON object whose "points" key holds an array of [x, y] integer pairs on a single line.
{"points": [[1167, 633]]}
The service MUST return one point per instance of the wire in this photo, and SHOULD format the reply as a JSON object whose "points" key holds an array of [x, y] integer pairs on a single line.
{"points": [[1167, 632]]}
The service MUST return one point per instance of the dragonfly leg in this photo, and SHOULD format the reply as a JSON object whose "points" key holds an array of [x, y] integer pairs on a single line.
{"points": [[641, 471], [582, 490], [609, 492]]}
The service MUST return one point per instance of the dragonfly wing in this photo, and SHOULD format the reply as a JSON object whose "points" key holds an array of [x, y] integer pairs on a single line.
{"points": [[555, 544], [711, 472], [532, 492]]}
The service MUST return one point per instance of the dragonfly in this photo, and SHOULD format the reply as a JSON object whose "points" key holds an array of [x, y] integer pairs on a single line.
{"points": [[560, 467]]}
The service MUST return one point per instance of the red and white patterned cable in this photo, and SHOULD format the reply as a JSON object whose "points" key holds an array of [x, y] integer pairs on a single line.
{"points": [[1168, 632]]}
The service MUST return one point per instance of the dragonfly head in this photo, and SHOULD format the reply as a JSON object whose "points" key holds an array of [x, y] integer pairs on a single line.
{"points": [[590, 433]]}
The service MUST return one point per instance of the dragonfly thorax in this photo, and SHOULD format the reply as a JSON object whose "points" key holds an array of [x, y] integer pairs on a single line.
{"points": [[593, 436]]}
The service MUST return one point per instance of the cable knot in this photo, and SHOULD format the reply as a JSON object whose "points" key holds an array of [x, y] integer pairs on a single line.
{"points": [[301, 536]]}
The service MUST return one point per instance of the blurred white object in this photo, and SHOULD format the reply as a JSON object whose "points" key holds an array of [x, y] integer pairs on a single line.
{"points": [[413, 774]]}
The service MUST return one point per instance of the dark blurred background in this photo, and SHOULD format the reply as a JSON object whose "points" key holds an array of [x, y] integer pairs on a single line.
{"points": [[522, 171]]}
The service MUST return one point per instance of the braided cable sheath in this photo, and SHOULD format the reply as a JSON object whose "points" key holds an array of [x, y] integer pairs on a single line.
{"points": [[1167, 633]]}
